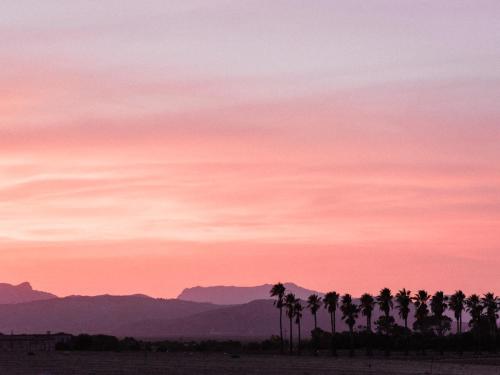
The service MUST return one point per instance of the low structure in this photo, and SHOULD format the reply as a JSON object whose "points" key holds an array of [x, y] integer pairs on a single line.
{"points": [[32, 343]]}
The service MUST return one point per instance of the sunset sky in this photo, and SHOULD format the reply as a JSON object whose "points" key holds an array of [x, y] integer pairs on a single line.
{"points": [[148, 146]]}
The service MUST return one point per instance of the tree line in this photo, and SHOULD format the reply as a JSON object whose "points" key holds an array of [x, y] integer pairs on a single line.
{"points": [[431, 321]]}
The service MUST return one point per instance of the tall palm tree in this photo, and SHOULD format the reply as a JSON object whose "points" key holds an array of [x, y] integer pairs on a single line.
{"points": [[367, 304], [420, 300], [289, 302], [331, 302], [457, 305], [385, 303], [349, 315], [491, 305], [313, 304], [278, 291], [475, 309], [403, 302], [297, 309], [438, 308]]}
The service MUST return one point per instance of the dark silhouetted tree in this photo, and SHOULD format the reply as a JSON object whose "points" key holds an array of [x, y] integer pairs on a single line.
{"points": [[490, 303], [297, 310], [475, 309], [349, 315], [385, 303], [313, 304], [331, 302], [367, 304], [457, 305], [403, 302], [440, 320], [278, 291], [420, 300], [290, 301]]}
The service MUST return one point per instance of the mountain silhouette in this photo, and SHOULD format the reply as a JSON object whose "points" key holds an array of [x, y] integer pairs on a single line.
{"points": [[142, 316], [21, 293], [99, 314], [233, 295]]}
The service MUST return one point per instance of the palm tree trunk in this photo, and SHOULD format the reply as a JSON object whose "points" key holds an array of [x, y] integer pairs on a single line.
{"points": [[291, 337], [494, 335], [315, 322], [387, 338], [351, 342], [369, 335], [406, 335], [332, 319], [460, 338], [281, 330], [299, 338]]}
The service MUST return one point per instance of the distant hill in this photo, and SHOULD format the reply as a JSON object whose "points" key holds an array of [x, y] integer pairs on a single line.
{"points": [[100, 314], [234, 295], [21, 293]]}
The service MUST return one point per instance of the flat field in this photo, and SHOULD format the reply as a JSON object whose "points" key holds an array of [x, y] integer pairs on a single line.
{"points": [[92, 363]]}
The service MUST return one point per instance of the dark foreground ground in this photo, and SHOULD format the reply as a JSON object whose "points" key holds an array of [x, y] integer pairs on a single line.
{"points": [[91, 363]]}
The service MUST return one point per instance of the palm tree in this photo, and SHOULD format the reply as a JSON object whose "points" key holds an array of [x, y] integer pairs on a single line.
{"points": [[438, 308], [297, 309], [349, 315], [490, 303], [278, 291], [289, 303], [313, 304], [403, 301], [331, 302], [367, 306], [475, 309], [384, 300], [420, 300], [457, 305]]}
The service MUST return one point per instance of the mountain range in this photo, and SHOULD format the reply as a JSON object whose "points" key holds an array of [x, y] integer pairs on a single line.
{"points": [[235, 315], [232, 295]]}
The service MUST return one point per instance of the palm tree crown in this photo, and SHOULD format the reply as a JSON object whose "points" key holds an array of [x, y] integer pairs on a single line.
{"points": [[475, 308], [367, 305], [313, 304], [331, 301], [384, 300], [490, 303], [439, 304], [278, 291]]}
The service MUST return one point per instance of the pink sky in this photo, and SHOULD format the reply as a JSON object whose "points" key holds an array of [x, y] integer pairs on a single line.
{"points": [[151, 146]]}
